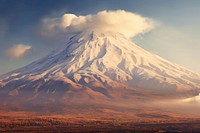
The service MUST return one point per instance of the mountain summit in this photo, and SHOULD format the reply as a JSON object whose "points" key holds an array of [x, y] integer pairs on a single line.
{"points": [[93, 65]]}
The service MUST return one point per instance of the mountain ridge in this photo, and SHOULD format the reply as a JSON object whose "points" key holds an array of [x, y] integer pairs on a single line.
{"points": [[99, 61]]}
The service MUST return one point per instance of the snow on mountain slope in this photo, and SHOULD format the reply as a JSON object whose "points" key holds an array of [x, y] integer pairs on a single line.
{"points": [[94, 62]]}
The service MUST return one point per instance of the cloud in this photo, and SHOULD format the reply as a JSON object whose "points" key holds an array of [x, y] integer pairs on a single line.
{"points": [[17, 50], [119, 21]]}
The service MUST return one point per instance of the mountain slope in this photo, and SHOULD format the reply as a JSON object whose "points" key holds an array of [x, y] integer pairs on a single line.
{"points": [[94, 65]]}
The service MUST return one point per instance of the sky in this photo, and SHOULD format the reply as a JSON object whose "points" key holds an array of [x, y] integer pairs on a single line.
{"points": [[175, 36]]}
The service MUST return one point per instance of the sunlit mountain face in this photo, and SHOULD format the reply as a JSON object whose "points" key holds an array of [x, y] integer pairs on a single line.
{"points": [[98, 66], [100, 73]]}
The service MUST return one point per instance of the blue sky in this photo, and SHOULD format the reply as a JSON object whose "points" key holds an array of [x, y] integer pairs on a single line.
{"points": [[176, 37]]}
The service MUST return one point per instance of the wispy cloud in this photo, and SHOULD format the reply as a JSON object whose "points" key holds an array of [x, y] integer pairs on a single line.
{"points": [[17, 50]]}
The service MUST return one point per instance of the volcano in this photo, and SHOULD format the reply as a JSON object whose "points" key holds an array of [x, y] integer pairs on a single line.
{"points": [[94, 66]]}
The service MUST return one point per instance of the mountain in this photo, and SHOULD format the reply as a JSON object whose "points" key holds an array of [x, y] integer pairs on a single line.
{"points": [[97, 66]]}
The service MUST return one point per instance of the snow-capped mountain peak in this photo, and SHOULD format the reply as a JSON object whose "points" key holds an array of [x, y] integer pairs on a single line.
{"points": [[105, 60]]}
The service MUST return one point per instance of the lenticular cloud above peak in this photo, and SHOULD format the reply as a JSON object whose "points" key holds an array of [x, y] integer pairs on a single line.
{"points": [[120, 21]]}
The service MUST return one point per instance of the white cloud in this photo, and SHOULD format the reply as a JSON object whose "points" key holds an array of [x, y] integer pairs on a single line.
{"points": [[17, 50], [127, 23]]}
